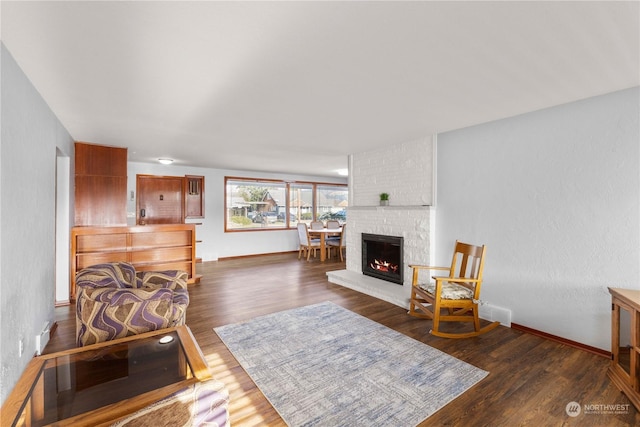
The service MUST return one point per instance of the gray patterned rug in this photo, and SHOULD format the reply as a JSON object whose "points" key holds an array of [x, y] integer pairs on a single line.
{"points": [[323, 365]]}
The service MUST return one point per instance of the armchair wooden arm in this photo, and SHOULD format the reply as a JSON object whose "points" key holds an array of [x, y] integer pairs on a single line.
{"points": [[428, 267], [418, 268], [456, 279]]}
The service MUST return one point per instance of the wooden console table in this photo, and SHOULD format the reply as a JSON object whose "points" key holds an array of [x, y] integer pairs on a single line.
{"points": [[148, 247], [624, 370], [98, 384]]}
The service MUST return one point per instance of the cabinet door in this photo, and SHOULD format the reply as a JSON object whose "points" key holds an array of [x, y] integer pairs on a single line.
{"points": [[194, 196], [100, 160], [100, 185], [622, 340]]}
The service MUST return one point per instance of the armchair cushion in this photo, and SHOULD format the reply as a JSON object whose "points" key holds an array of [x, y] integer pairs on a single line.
{"points": [[105, 314], [170, 279], [449, 290], [112, 275]]}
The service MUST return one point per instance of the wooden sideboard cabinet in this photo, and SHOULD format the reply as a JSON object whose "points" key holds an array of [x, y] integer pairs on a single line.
{"points": [[624, 370], [147, 247]]}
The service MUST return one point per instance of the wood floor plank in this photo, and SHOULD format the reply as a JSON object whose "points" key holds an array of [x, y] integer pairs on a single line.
{"points": [[531, 379]]}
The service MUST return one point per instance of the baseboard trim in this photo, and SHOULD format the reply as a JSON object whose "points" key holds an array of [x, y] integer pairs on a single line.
{"points": [[575, 344], [52, 331], [254, 255]]}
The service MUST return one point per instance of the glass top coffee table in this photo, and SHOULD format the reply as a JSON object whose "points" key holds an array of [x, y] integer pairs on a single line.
{"points": [[100, 383]]}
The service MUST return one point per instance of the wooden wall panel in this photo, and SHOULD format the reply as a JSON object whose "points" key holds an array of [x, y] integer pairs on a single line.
{"points": [[92, 159], [101, 200], [100, 185]]}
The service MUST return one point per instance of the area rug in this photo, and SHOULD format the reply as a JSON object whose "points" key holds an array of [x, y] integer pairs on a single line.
{"points": [[323, 365]]}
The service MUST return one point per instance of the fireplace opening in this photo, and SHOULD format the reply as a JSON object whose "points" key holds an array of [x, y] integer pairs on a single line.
{"points": [[382, 257]]}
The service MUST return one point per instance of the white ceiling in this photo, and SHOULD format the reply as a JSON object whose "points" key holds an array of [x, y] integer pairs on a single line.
{"points": [[295, 87]]}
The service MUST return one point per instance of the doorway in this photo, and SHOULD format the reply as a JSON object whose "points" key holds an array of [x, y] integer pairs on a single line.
{"points": [[63, 221]]}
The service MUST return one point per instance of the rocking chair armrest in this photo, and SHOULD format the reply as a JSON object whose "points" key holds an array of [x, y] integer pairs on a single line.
{"points": [[428, 267], [454, 279]]}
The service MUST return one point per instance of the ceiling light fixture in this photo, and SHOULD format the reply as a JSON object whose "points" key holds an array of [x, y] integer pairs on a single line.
{"points": [[165, 161]]}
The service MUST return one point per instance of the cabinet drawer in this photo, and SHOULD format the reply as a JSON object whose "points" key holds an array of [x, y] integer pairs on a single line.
{"points": [[101, 242], [178, 265], [165, 238], [161, 255], [87, 260]]}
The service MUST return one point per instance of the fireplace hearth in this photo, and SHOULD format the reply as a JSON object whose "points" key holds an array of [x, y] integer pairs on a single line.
{"points": [[382, 257]]}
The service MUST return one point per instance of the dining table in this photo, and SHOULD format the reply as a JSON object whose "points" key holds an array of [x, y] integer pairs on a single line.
{"points": [[322, 233]]}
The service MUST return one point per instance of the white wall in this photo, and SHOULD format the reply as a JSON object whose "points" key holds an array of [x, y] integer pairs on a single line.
{"points": [[215, 242], [555, 196], [30, 136]]}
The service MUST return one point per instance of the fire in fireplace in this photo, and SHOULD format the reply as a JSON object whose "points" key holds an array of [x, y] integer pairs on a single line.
{"points": [[382, 257]]}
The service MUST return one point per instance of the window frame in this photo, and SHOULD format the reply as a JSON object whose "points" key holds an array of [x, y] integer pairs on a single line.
{"points": [[287, 208]]}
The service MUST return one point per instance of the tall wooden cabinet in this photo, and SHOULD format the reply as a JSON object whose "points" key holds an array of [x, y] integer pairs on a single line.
{"points": [[624, 370], [100, 185]]}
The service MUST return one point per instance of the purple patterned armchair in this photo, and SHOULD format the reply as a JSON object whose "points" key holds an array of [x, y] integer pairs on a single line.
{"points": [[115, 301]]}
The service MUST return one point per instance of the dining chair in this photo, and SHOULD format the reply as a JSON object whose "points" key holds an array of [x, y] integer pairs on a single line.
{"points": [[316, 225], [332, 223], [339, 243], [306, 243]]}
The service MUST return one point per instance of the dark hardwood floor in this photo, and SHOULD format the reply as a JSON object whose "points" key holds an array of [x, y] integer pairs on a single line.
{"points": [[531, 379]]}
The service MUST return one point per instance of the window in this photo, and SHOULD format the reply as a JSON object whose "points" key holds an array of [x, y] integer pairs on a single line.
{"points": [[301, 203], [254, 204], [331, 202]]}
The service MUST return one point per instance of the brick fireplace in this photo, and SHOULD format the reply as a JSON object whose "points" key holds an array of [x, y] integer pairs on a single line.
{"points": [[408, 176]]}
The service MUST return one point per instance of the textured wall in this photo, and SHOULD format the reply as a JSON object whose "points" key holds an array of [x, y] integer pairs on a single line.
{"points": [[554, 195], [30, 135]]}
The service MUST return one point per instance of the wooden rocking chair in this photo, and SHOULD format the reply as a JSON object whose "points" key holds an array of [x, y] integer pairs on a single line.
{"points": [[452, 298]]}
